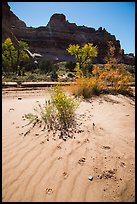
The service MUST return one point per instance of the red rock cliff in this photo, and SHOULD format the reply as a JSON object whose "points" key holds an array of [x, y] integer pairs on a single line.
{"points": [[52, 40]]}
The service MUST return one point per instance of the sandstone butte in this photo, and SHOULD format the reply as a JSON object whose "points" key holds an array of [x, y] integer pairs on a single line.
{"points": [[52, 40]]}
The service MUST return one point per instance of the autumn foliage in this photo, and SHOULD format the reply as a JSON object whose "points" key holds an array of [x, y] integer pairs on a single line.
{"points": [[109, 77]]}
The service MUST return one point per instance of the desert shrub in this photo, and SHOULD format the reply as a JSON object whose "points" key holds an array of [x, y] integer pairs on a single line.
{"points": [[47, 114], [57, 113], [112, 77], [45, 66], [85, 87], [65, 106], [54, 75]]}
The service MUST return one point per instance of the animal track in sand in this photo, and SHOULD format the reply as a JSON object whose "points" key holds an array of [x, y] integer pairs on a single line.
{"points": [[82, 161], [59, 147], [60, 158], [65, 175], [49, 191], [87, 140], [106, 147], [122, 164]]}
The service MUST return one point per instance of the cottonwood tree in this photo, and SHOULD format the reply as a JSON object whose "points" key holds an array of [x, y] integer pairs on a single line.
{"points": [[11, 57], [83, 56]]}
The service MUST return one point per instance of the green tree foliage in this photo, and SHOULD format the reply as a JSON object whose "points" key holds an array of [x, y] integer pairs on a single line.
{"points": [[45, 66], [8, 56], [12, 59], [83, 56]]}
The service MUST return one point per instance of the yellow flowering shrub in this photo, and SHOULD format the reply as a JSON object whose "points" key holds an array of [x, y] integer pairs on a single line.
{"points": [[85, 87], [113, 77], [65, 106], [57, 113]]}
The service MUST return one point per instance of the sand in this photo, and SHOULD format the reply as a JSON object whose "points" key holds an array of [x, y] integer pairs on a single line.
{"points": [[97, 164]]}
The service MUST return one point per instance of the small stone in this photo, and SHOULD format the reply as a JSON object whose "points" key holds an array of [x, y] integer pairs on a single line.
{"points": [[19, 98], [90, 178]]}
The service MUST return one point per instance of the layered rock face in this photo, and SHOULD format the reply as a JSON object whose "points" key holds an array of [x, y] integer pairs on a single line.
{"points": [[51, 41]]}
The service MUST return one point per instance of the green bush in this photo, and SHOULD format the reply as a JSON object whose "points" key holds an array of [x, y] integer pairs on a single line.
{"points": [[57, 114], [65, 106], [45, 66], [54, 75]]}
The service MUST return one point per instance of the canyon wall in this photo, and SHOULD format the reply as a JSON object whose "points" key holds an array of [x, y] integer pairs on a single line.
{"points": [[51, 41]]}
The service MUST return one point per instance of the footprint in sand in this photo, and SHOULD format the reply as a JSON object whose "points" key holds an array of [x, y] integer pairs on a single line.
{"points": [[11, 109], [106, 147], [58, 147], [65, 175], [86, 140], [59, 158], [82, 161], [42, 142], [49, 191], [122, 164]]}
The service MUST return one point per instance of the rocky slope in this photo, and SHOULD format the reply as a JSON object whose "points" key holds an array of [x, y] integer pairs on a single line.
{"points": [[51, 41]]}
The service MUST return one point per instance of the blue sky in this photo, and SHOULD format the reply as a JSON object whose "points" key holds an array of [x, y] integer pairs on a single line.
{"points": [[118, 18]]}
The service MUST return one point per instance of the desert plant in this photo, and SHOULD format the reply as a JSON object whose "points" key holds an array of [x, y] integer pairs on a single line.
{"points": [[65, 106], [47, 114], [85, 87], [12, 57], [114, 78], [56, 114]]}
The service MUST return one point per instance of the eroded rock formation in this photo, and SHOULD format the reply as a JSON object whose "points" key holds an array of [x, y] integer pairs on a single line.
{"points": [[51, 41]]}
